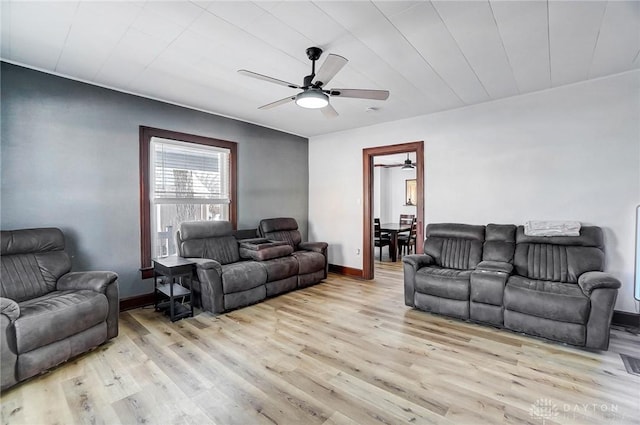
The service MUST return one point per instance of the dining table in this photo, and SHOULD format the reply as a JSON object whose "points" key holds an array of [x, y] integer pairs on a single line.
{"points": [[393, 229]]}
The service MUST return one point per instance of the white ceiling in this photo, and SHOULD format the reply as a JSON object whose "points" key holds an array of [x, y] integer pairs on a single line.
{"points": [[431, 55]]}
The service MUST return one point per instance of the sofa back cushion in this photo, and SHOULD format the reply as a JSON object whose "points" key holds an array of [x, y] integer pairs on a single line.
{"points": [[281, 229], [208, 239], [454, 246], [499, 243], [32, 262], [559, 258]]}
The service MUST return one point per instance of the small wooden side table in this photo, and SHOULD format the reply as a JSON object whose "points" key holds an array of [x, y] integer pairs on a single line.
{"points": [[173, 267]]}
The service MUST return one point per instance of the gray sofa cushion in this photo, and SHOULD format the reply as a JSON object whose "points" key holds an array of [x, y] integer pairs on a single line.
{"points": [[560, 259], [454, 246], [223, 249], [563, 302], [208, 239], [32, 262], [281, 229], [500, 243], [242, 276], [309, 262], [205, 229], [58, 315], [443, 282], [281, 268]]}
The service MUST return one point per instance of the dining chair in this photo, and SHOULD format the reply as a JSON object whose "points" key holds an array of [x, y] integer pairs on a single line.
{"points": [[409, 240], [406, 220], [383, 234], [380, 239]]}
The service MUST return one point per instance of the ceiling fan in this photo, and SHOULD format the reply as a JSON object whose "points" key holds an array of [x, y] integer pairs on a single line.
{"points": [[313, 94]]}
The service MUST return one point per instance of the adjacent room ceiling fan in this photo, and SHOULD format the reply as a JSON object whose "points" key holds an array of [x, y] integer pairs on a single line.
{"points": [[313, 94]]}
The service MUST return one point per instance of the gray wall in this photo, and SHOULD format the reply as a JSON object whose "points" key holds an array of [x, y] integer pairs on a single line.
{"points": [[70, 160]]}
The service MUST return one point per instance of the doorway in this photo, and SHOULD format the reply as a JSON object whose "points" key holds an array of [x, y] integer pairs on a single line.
{"points": [[368, 156]]}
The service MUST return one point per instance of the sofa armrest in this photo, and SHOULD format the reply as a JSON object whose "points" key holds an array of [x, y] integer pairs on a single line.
{"points": [[595, 280], [208, 289], [495, 266], [206, 264], [8, 351], [102, 282], [411, 265], [320, 247], [418, 261], [95, 281], [9, 308]]}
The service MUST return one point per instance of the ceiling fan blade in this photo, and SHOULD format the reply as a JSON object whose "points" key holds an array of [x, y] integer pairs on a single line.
{"points": [[361, 93], [331, 66], [278, 102], [329, 112], [269, 79]]}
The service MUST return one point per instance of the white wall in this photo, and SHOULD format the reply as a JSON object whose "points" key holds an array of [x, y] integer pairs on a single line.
{"points": [[389, 193], [569, 153]]}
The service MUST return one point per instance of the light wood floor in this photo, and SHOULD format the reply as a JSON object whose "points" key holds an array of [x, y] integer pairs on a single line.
{"points": [[342, 352]]}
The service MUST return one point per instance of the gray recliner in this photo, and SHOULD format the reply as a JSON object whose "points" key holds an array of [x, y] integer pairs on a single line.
{"points": [[312, 256], [47, 314]]}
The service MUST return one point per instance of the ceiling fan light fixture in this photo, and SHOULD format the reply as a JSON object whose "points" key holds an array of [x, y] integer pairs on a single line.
{"points": [[312, 99], [407, 164]]}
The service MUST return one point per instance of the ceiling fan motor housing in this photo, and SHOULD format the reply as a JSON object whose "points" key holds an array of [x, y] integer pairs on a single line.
{"points": [[313, 53]]}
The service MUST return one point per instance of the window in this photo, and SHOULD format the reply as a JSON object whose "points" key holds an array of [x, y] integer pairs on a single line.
{"points": [[183, 178]]}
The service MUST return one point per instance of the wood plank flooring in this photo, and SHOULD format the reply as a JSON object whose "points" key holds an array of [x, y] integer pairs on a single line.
{"points": [[339, 353]]}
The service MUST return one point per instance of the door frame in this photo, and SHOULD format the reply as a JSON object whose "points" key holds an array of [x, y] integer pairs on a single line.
{"points": [[367, 203]]}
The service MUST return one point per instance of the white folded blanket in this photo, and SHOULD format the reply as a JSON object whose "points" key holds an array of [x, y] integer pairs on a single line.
{"points": [[552, 228]]}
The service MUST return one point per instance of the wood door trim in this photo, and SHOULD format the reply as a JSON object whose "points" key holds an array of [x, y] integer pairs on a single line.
{"points": [[367, 204]]}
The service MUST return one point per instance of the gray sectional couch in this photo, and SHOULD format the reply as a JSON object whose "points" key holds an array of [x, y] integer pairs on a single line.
{"points": [[552, 287], [234, 273]]}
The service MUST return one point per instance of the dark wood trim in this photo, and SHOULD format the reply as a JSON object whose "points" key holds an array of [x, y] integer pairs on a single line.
{"points": [[145, 209], [626, 319], [146, 133], [367, 202], [136, 301], [367, 206], [147, 272], [345, 271]]}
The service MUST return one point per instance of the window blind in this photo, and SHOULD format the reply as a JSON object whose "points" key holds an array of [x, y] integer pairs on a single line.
{"points": [[188, 173]]}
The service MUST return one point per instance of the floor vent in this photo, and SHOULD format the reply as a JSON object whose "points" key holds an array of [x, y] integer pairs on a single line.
{"points": [[632, 364]]}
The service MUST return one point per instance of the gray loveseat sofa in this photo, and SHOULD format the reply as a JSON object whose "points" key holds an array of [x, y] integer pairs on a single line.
{"points": [[552, 287], [235, 273], [49, 315]]}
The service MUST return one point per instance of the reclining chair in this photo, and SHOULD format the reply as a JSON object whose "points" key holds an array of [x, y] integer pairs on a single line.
{"points": [[48, 315]]}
